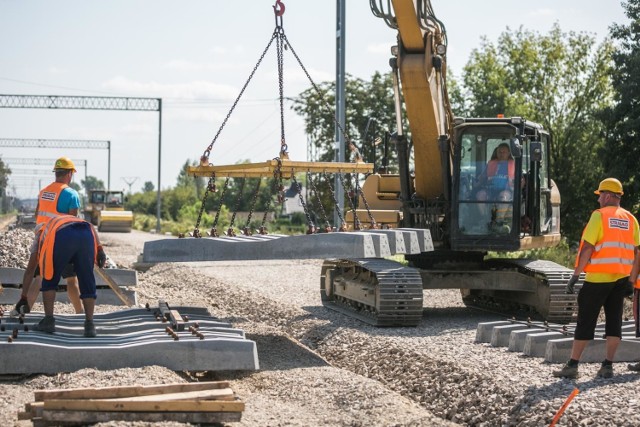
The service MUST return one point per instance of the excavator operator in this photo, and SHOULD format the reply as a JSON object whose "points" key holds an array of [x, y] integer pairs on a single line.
{"points": [[496, 184]]}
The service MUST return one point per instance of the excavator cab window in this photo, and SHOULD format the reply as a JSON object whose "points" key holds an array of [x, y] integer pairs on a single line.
{"points": [[485, 191]]}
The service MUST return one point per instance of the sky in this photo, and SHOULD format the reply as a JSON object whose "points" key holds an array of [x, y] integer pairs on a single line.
{"points": [[197, 55]]}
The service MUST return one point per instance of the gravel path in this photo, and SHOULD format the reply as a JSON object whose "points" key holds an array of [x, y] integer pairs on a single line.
{"points": [[319, 367]]}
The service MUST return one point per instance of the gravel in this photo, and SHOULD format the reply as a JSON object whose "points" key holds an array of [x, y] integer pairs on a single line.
{"points": [[319, 367]]}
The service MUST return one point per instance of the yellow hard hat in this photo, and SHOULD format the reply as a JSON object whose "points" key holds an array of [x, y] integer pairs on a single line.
{"points": [[610, 184], [64, 163]]}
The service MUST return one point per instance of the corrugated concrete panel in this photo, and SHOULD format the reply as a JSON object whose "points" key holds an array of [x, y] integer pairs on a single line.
{"points": [[105, 296], [484, 331], [559, 350], [500, 334], [122, 277], [128, 338], [312, 246], [424, 238]]}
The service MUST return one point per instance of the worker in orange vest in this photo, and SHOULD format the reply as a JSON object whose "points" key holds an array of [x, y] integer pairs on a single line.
{"points": [[635, 271], [55, 199], [67, 239], [607, 252]]}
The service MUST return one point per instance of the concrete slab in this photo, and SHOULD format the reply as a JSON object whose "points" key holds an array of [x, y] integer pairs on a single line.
{"points": [[485, 330], [127, 338], [501, 334], [517, 338], [559, 350], [313, 246], [105, 296], [535, 345], [397, 242], [122, 277], [424, 238]]}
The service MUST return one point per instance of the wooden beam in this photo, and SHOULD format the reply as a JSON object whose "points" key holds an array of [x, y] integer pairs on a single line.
{"points": [[126, 391], [55, 417], [105, 405], [287, 167], [218, 394]]}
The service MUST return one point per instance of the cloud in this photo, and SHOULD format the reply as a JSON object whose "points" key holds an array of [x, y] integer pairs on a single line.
{"points": [[190, 66], [380, 48], [191, 90], [57, 70], [543, 12]]}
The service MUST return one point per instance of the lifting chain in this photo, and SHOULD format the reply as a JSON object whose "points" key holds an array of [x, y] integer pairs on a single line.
{"points": [[343, 226], [352, 147], [280, 46], [356, 220], [230, 231], [314, 189], [311, 227], [214, 229], [276, 188], [211, 187], [204, 159], [372, 220], [247, 229]]}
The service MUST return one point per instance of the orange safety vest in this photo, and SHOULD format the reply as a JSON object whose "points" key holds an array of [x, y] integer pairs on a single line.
{"points": [[614, 254], [47, 242], [48, 202]]}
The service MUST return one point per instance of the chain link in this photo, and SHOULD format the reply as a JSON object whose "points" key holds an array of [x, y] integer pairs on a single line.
{"points": [[314, 189], [214, 229], [230, 231], [211, 187], [343, 226], [372, 220], [247, 229], [356, 221], [311, 227]]}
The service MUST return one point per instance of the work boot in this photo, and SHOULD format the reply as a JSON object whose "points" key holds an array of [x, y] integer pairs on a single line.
{"points": [[89, 329], [47, 324], [605, 371], [635, 367], [567, 371]]}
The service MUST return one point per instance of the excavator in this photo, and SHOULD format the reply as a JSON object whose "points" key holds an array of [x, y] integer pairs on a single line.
{"points": [[441, 185], [105, 209]]}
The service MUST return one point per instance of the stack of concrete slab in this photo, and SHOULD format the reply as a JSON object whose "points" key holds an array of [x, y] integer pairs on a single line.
{"points": [[363, 244], [553, 341], [127, 280], [178, 338]]}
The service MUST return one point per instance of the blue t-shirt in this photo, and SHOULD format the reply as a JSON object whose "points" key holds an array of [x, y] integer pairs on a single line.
{"points": [[68, 200], [500, 181]]}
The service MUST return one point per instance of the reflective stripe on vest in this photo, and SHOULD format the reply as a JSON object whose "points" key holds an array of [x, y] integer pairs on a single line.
{"points": [[48, 202], [47, 241], [614, 254]]}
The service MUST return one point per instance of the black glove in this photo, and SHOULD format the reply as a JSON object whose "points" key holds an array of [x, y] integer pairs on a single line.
{"points": [[22, 307], [101, 257], [628, 289], [571, 284]]}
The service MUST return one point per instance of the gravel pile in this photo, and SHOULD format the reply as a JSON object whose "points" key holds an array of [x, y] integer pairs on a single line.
{"points": [[319, 367], [14, 247]]}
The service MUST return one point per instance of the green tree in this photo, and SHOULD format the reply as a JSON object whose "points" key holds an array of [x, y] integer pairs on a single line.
{"points": [[4, 177], [623, 131], [186, 180], [92, 183], [148, 187], [560, 80]]}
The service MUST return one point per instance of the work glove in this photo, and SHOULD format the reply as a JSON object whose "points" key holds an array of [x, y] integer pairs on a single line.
{"points": [[571, 284], [101, 257], [22, 307], [628, 289]]}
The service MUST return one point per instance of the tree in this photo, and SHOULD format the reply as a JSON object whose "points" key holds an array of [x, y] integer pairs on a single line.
{"points": [[622, 146], [92, 183], [4, 177], [148, 187], [560, 80]]}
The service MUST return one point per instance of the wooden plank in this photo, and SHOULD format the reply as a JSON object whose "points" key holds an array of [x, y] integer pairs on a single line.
{"points": [[36, 408], [144, 406], [23, 415], [217, 394], [127, 391], [88, 417], [287, 167]]}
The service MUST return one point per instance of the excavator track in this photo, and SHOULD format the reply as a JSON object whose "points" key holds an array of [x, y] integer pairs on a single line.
{"points": [[550, 302], [376, 291]]}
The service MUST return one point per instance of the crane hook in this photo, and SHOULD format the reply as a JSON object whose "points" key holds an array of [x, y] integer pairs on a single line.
{"points": [[278, 9]]}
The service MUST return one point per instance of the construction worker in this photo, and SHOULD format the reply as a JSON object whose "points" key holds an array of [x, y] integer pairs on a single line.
{"points": [[66, 239], [607, 251], [54, 200], [633, 278]]}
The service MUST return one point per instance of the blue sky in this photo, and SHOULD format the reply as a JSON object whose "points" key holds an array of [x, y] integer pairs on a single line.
{"points": [[197, 55]]}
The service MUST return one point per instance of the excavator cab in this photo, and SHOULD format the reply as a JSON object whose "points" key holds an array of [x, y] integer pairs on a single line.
{"points": [[502, 198]]}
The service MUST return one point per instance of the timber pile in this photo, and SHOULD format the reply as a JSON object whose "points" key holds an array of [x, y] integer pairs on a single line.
{"points": [[210, 402]]}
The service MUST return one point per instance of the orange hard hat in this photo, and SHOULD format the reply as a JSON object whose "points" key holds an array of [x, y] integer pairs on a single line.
{"points": [[64, 163], [611, 185]]}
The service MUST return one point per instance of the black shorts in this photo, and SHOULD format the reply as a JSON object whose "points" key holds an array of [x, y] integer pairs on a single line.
{"points": [[594, 296], [69, 271]]}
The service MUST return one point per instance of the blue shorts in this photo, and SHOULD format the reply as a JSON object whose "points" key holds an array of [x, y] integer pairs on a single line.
{"points": [[74, 244]]}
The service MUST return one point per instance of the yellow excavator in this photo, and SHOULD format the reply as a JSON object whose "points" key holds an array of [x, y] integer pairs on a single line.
{"points": [[105, 209], [443, 185]]}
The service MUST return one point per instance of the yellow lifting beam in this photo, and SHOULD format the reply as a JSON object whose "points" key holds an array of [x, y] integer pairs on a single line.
{"points": [[287, 167]]}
